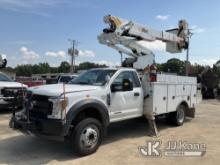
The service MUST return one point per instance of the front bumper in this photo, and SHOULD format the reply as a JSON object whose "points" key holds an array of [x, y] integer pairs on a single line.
{"points": [[41, 127], [5, 105], [9, 105]]}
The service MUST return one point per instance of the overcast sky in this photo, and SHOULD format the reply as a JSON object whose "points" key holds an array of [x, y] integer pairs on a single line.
{"points": [[34, 31]]}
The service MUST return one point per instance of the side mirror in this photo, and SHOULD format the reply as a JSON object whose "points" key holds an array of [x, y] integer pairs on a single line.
{"points": [[107, 78], [127, 85]]}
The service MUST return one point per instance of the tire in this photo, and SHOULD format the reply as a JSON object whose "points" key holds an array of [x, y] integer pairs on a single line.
{"points": [[179, 115], [177, 118], [87, 136]]}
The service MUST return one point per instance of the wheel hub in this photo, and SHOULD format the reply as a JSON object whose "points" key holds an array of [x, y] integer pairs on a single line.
{"points": [[89, 137]]}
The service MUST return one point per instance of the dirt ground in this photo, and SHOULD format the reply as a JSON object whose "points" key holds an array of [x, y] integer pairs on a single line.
{"points": [[121, 145]]}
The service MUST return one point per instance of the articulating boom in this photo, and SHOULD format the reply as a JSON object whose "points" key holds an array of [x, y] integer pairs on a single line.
{"points": [[128, 37]]}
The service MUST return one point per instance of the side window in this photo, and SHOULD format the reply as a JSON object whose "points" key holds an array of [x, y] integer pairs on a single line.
{"points": [[136, 80], [130, 75]]}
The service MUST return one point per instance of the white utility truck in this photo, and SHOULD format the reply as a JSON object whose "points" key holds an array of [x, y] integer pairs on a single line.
{"points": [[8, 87], [82, 110]]}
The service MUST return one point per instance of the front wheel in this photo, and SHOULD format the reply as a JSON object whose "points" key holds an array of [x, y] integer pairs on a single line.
{"points": [[87, 136]]}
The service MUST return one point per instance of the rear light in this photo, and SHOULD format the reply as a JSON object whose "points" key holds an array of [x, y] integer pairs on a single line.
{"points": [[153, 77]]}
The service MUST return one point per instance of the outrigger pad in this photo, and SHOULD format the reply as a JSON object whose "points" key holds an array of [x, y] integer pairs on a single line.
{"points": [[153, 128]]}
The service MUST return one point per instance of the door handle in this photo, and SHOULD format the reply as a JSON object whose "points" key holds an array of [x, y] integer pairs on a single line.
{"points": [[136, 94]]}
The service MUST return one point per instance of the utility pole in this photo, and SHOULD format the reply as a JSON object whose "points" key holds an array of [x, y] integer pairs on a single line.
{"points": [[73, 52]]}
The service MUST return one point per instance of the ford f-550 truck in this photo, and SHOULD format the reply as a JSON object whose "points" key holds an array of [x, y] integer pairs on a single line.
{"points": [[82, 110]]}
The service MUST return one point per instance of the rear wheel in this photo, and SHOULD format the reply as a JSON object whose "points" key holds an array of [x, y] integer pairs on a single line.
{"points": [[177, 118], [87, 136]]}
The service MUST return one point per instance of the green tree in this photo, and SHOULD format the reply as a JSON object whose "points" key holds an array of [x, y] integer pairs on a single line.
{"points": [[44, 68], [24, 70], [89, 65], [196, 69], [36, 69], [161, 67], [174, 65], [64, 67]]}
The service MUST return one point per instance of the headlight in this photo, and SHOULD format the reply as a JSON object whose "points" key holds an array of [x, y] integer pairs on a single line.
{"points": [[59, 105]]}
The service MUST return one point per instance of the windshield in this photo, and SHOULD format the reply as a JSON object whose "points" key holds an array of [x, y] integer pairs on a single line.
{"points": [[4, 78], [65, 79], [93, 77]]}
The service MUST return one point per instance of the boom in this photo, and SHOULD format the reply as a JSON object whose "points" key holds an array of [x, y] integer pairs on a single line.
{"points": [[130, 38]]}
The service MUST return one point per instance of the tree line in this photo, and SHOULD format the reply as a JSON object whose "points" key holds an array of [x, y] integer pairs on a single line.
{"points": [[64, 67], [173, 65]]}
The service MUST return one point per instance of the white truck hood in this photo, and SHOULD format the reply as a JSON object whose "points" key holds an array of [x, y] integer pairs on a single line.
{"points": [[7, 84], [58, 89]]}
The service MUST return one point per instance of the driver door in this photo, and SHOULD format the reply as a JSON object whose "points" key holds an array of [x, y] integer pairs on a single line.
{"points": [[125, 103]]}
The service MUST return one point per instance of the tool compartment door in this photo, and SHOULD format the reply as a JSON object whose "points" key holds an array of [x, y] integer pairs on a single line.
{"points": [[171, 105], [160, 98], [193, 95]]}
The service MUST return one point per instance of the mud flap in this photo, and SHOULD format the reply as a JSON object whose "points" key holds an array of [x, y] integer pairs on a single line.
{"points": [[190, 112]]}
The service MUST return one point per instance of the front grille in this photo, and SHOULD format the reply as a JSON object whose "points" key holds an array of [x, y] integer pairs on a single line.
{"points": [[14, 92], [41, 106]]}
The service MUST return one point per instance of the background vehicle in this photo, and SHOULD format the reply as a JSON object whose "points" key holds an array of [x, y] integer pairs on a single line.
{"points": [[210, 83], [30, 82], [5, 95]]}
